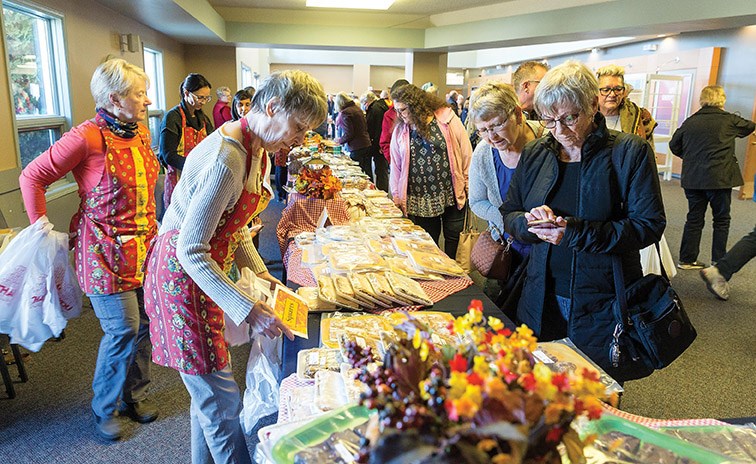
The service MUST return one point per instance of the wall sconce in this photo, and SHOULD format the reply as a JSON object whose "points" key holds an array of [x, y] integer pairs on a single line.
{"points": [[650, 47], [129, 42]]}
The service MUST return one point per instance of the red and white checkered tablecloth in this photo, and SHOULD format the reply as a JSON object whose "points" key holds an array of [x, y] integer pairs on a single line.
{"points": [[302, 214], [436, 290], [658, 423]]}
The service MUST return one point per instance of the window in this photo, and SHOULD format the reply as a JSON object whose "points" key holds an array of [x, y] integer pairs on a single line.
{"points": [[246, 76], [37, 73], [153, 66]]}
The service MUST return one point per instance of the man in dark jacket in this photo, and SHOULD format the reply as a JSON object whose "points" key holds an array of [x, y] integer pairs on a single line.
{"points": [[374, 115], [706, 143]]}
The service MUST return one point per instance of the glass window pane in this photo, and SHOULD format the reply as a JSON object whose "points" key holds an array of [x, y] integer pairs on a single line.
{"points": [[34, 142], [153, 67], [154, 122], [28, 42]]}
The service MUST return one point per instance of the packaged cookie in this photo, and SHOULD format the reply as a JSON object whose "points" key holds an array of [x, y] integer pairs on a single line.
{"points": [[407, 288]]}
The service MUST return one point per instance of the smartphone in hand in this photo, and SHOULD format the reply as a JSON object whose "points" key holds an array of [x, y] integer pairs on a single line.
{"points": [[543, 223]]}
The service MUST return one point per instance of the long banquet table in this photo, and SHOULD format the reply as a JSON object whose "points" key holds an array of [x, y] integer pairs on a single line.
{"points": [[455, 304]]}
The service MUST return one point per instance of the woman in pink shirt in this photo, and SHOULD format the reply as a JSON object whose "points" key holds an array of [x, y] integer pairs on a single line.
{"points": [[430, 159], [111, 159]]}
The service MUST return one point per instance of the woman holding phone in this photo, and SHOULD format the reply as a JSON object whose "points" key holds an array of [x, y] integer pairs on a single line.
{"points": [[580, 196]]}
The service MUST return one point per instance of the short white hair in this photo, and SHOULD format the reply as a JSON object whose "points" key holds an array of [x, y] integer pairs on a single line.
{"points": [[115, 76]]}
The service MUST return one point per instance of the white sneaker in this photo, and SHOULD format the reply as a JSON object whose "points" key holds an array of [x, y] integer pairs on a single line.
{"points": [[715, 282]]}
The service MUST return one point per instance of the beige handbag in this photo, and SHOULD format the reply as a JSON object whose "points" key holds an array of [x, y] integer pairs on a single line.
{"points": [[467, 239]]}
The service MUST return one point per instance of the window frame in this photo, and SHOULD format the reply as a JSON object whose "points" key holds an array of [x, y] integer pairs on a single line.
{"points": [[62, 94], [158, 83]]}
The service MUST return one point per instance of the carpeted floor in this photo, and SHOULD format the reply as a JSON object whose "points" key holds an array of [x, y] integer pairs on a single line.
{"points": [[49, 420]]}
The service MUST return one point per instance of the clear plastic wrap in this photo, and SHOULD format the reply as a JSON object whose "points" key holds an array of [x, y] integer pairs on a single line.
{"points": [[733, 441]]}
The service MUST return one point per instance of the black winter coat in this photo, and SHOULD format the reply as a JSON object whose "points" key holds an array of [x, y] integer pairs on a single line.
{"points": [[706, 143], [374, 115], [604, 227]]}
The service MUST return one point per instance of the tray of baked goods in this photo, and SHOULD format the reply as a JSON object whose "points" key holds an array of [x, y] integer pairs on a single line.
{"points": [[377, 330], [370, 290]]}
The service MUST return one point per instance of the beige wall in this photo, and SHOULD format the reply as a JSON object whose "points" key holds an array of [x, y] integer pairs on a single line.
{"points": [[216, 63], [334, 78], [382, 77]]}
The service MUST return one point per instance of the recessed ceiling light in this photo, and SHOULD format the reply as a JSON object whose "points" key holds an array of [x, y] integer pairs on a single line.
{"points": [[351, 4]]}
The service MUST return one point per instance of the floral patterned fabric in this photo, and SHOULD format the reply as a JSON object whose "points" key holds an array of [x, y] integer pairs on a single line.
{"points": [[190, 137], [116, 219], [186, 326], [430, 183]]}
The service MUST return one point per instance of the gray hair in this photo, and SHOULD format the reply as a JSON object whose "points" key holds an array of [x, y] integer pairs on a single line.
{"points": [[611, 70], [222, 90], [367, 98], [298, 93], [114, 76], [713, 95], [491, 100], [569, 83], [341, 100], [526, 71]]}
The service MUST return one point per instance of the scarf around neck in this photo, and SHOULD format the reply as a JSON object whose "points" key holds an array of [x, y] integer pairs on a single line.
{"points": [[122, 129]]}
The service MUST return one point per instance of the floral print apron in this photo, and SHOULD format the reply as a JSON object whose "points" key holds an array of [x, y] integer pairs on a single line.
{"points": [[186, 326], [190, 138], [116, 219]]}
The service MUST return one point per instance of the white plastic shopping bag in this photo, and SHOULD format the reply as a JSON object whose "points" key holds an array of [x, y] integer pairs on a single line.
{"points": [[239, 334], [263, 369], [38, 288]]}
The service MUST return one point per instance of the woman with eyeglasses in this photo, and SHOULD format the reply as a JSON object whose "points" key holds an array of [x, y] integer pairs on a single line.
{"points": [[580, 196], [622, 114], [225, 184], [504, 132], [430, 159], [184, 126]]}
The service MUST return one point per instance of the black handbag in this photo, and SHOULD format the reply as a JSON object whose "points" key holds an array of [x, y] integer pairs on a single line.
{"points": [[652, 328]]}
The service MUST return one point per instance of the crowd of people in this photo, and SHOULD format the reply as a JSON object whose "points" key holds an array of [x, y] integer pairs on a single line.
{"points": [[561, 164]]}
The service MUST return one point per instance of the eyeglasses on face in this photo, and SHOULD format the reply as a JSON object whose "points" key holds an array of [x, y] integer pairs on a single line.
{"points": [[607, 90], [569, 121], [494, 128], [202, 99], [401, 110]]}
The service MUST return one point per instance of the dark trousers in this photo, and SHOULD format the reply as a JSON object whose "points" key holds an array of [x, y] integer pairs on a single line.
{"points": [[738, 256], [698, 200], [363, 157], [381, 172], [452, 220], [282, 176]]}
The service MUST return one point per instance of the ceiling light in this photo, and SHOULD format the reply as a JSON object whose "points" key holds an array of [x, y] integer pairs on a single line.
{"points": [[352, 4]]}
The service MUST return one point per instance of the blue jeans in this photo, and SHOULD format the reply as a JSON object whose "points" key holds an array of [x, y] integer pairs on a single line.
{"points": [[217, 435], [122, 372]]}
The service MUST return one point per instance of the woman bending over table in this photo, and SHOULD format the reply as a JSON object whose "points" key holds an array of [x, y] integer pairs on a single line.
{"points": [[224, 185]]}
